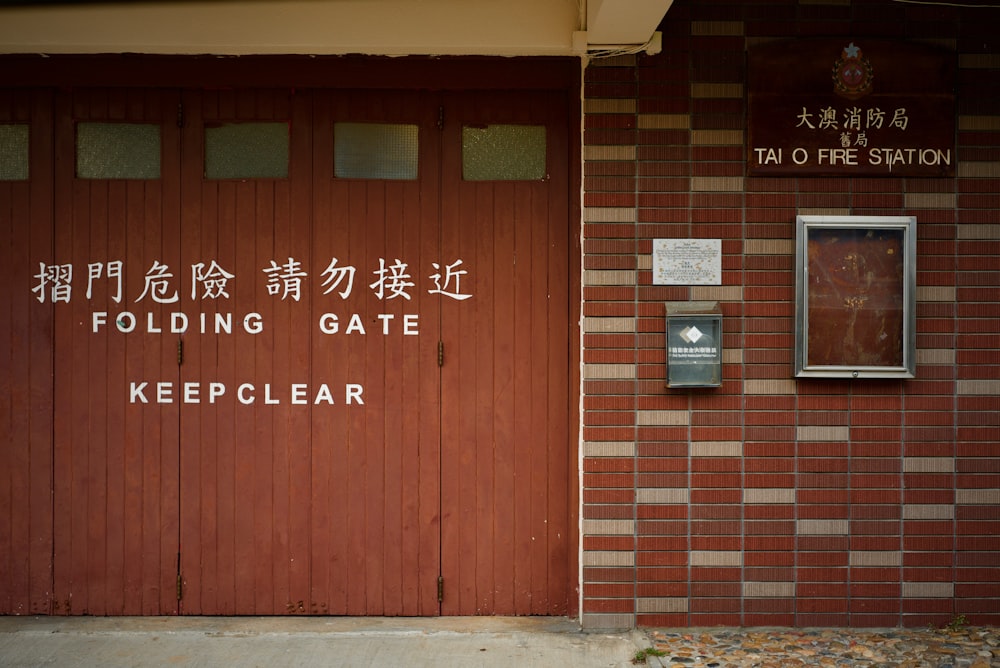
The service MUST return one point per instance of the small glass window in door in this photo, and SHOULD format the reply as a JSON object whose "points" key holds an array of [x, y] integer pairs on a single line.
{"points": [[247, 151], [375, 151], [503, 153], [117, 150], [13, 152]]}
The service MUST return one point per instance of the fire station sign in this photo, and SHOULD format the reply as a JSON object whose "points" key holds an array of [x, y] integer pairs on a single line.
{"points": [[851, 107]]}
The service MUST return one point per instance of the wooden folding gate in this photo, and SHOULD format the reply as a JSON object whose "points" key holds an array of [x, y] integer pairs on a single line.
{"points": [[303, 394]]}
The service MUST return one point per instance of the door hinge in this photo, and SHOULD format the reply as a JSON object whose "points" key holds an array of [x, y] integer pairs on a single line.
{"points": [[180, 580], [180, 114], [441, 118], [440, 588], [440, 353], [180, 352]]}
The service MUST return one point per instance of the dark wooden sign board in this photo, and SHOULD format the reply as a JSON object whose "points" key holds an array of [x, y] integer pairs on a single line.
{"points": [[843, 107]]}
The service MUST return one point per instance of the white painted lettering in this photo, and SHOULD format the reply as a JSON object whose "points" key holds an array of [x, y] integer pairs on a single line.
{"points": [[299, 391], [355, 325], [164, 392], [215, 390], [150, 326], [244, 393], [410, 322], [268, 399], [191, 392], [137, 391], [324, 395], [353, 392], [98, 319], [178, 323]]}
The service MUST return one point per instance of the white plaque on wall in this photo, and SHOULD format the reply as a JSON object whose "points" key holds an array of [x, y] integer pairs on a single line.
{"points": [[687, 262]]}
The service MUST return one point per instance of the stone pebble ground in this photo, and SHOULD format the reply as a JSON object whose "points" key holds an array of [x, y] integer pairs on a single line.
{"points": [[966, 647]]}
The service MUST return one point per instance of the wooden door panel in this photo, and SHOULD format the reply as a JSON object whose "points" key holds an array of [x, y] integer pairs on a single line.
{"points": [[505, 380], [378, 552], [115, 475], [26, 334]]}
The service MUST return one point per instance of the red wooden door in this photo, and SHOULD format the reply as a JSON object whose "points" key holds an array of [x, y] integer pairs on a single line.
{"points": [[26, 335], [115, 477], [312, 386], [505, 396]]}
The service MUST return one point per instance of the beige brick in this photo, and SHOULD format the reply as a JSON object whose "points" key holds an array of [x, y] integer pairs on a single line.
{"points": [[769, 386], [769, 589], [987, 231], [928, 511], [825, 211], [732, 356], [620, 153], [875, 558], [717, 138], [979, 61], [935, 293], [822, 527], [608, 527], [977, 497], [717, 293], [936, 356], [717, 28], [716, 449], [594, 324], [715, 558], [824, 433], [979, 170], [717, 90], [609, 449], [607, 622], [662, 495], [768, 495], [609, 277], [666, 604], [663, 418], [609, 106], [978, 387], [928, 590], [929, 201], [664, 122], [608, 214], [609, 371], [928, 465], [608, 558], [969, 123], [769, 247]]}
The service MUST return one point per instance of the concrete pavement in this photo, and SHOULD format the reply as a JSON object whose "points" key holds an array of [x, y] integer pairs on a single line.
{"points": [[305, 642]]}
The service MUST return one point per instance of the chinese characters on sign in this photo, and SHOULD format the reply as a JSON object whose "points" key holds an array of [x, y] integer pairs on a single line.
{"points": [[283, 280], [54, 282], [887, 110]]}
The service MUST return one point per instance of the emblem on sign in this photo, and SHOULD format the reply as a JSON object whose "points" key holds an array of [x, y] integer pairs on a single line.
{"points": [[852, 73]]}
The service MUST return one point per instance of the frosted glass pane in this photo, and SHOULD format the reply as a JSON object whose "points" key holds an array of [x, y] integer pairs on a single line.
{"points": [[117, 151], [503, 153], [375, 151], [247, 151], [13, 152]]}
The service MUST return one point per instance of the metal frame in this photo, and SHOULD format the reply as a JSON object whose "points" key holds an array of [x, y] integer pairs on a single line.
{"points": [[852, 358]]}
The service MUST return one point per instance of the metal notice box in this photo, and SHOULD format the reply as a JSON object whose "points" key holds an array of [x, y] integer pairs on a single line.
{"points": [[694, 344]]}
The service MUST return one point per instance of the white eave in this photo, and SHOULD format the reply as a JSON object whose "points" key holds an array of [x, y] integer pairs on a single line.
{"points": [[319, 27]]}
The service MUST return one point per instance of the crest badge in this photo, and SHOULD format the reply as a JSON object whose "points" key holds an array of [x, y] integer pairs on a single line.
{"points": [[852, 73]]}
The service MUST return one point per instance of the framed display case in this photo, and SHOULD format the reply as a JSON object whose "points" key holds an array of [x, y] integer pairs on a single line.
{"points": [[855, 293]]}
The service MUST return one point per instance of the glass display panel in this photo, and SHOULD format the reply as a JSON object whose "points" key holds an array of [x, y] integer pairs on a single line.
{"points": [[13, 152], [855, 287], [247, 151], [117, 151], [503, 153], [375, 151]]}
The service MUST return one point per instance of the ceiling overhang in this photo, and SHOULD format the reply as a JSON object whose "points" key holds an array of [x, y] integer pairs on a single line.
{"points": [[320, 27]]}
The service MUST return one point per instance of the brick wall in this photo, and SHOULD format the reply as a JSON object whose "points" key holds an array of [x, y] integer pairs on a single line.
{"points": [[771, 500]]}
